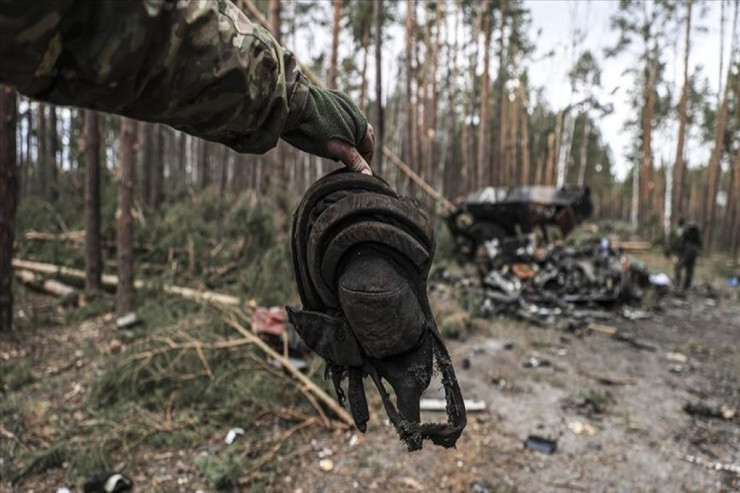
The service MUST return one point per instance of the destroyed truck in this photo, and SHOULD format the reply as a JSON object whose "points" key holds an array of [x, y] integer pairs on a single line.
{"points": [[497, 213]]}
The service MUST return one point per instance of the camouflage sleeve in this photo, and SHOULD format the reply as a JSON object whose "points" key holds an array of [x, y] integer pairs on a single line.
{"points": [[200, 66]]}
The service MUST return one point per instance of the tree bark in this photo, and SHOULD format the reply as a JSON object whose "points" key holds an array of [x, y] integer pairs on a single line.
{"points": [[485, 103], [203, 164], [497, 163], [365, 54], [646, 183], [53, 152], [42, 163], [9, 201], [713, 169], [93, 255], [380, 128], [679, 165], [332, 78], [525, 137], [410, 115], [144, 142], [583, 151], [125, 223], [156, 192]]}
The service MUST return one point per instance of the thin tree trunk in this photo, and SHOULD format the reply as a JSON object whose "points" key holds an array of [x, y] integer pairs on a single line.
{"points": [[332, 78], [550, 171], [93, 255], [410, 107], [453, 175], [432, 128], [156, 192], [25, 184], [525, 136], [645, 213], [9, 201], [497, 161], [365, 52], [42, 163], [275, 26], [53, 152], [679, 166], [485, 105], [145, 160], [584, 149], [714, 170], [378, 14], [203, 164], [125, 223]]}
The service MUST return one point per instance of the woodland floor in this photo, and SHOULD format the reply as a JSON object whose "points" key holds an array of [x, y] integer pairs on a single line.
{"points": [[641, 432]]}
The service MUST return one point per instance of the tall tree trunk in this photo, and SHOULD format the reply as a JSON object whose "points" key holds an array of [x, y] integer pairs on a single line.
{"points": [[42, 162], [452, 174], [53, 154], [679, 165], [378, 14], [525, 137], [734, 226], [156, 193], [550, 170], [583, 151], [365, 52], [332, 78], [9, 201], [645, 213], [25, 186], [125, 222], [181, 159], [275, 26], [432, 127], [714, 170], [485, 103], [144, 142], [410, 107], [204, 152], [93, 255], [497, 161]]}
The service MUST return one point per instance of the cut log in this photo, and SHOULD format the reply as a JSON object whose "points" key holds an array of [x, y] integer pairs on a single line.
{"points": [[111, 281], [50, 286]]}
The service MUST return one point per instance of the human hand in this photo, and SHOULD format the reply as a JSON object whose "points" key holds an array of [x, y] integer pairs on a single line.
{"points": [[355, 158]]}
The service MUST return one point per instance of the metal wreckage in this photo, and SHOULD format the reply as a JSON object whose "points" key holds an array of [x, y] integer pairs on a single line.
{"points": [[506, 232]]}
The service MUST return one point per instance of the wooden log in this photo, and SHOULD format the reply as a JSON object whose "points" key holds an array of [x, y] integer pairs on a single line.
{"points": [[111, 281], [50, 286]]}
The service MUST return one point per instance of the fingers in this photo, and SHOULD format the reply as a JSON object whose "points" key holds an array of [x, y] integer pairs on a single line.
{"points": [[348, 155], [367, 146]]}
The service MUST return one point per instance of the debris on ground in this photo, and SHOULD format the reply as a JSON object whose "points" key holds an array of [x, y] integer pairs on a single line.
{"points": [[541, 444], [706, 411], [232, 434], [440, 405], [128, 321], [108, 482], [580, 428]]}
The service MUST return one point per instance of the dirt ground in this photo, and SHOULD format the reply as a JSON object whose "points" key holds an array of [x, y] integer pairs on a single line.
{"points": [[641, 437]]}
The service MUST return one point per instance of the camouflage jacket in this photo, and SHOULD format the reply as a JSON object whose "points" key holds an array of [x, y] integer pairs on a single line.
{"points": [[200, 66]]}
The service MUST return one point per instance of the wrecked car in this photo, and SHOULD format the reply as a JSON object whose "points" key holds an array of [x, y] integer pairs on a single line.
{"points": [[498, 213]]}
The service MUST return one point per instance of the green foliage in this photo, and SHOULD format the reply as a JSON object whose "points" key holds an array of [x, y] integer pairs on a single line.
{"points": [[14, 376]]}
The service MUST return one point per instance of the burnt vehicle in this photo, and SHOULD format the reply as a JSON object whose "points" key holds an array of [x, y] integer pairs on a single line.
{"points": [[499, 213]]}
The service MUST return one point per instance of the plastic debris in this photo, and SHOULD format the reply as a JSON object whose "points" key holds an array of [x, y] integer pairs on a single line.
{"points": [[326, 465], [128, 321], [580, 428], [108, 482], [232, 434], [541, 444], [471, 406]]}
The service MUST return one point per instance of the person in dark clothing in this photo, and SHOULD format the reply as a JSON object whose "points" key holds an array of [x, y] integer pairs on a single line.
{"points": [[687, 246]]}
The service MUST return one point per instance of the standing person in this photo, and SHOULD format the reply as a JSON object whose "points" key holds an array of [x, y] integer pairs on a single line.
{"points": [[687, 244]]}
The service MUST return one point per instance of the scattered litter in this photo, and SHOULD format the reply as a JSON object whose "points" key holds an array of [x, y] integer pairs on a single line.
{"points": [[326, 465], [353, 440], [232, 434], [325, 452], [413, 484], [499, 382], [535, 362], [479, 487], [108, 482], [580, 428], [466, 364], [471, 406], [298, 363], [128, 321], [64, 489], [270, 320], [707, 411], [733, 281], [660, 279], [677, 357], [676, 368], [540, 444], [715, 466]]}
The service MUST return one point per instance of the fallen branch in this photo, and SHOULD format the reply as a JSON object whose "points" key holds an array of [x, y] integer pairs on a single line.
{"points": [[309, 385]]}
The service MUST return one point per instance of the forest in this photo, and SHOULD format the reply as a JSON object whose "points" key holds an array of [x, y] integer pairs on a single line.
{"points": [[144, 217]]}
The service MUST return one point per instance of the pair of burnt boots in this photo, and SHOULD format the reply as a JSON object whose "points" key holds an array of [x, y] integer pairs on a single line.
{"points": [[361, 256]]}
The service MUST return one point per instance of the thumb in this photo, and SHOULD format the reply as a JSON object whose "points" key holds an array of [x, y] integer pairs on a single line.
{"points": [[348, 155]]}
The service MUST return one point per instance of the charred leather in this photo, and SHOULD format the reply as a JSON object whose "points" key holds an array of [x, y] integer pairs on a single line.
{"points": [[361, 256]]}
